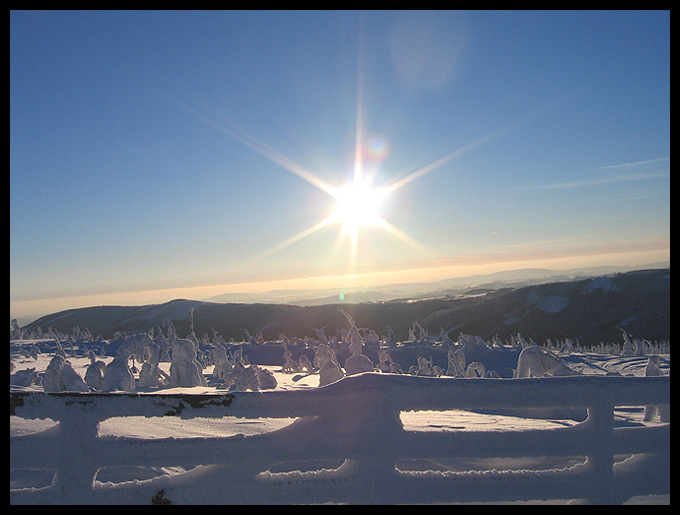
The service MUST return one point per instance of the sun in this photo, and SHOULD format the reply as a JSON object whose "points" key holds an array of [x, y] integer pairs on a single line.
{"points": [[357, 206]]}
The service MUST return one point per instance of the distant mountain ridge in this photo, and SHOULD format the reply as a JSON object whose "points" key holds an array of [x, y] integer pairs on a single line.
{"points": [[589, 310], [411, 291]]}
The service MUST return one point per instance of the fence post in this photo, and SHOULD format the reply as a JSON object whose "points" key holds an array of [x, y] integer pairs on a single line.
{"points": [[78, 428], [369, 432], [601, 416]]}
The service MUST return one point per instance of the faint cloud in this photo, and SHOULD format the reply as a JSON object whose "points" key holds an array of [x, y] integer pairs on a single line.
{"points": [[635, 163], [597, 181], [640, 175]]}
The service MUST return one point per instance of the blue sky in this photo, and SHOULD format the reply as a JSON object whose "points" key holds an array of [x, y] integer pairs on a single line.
{"points": [[156, 155]]}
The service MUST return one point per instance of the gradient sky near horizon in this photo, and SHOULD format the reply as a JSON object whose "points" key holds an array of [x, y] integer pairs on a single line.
{"points": [[156, 155]]}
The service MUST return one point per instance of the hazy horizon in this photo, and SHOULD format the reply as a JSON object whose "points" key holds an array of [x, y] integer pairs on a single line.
{"points": [[270, 292], [165, 154]]}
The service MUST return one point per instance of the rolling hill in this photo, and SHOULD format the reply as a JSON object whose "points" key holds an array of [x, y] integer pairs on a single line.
{"points": [[590, 311]]}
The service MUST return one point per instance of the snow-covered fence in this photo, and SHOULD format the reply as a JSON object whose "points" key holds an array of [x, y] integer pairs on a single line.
{"points": [[355, 422]]}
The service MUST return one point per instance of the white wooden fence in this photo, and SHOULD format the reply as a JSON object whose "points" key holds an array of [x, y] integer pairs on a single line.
{"points": [[356, 422]]}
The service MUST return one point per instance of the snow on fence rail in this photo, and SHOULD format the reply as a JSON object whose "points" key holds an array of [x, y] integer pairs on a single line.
{"points": [[356, 422]]}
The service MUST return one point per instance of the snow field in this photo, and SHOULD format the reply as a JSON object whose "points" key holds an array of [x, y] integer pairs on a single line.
{"points": [[317, 476]]}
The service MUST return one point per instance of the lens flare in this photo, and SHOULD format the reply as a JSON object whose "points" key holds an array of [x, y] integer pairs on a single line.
{"points": [[378, 149]]}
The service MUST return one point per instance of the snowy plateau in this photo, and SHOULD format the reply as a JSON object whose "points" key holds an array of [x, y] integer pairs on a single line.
{"points": [[154, 418]]}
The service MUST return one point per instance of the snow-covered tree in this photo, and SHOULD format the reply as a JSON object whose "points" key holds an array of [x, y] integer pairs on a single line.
{"points": [[151, 375], [15, 331], [357, 363], [94, 376], [60, 377], [663, 411], [118, 375], [185, 370], [535, 361]]}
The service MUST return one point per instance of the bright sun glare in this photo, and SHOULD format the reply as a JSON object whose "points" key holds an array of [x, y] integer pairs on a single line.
{"points": [[357, 206]]}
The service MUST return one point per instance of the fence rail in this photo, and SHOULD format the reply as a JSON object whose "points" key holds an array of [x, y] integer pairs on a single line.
{"points": [[354, 423]]}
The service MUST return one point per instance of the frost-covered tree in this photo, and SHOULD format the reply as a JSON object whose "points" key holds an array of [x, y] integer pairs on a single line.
{"points": [[456, 362], [304, 365], [217, 338], [357, 363], [170, 331], [185, 371], [290, 366], [94, 376], [423, 335], [321, 335], [247, 337], [24, 377], [265, 378], [118, 375], [15, 331], [330, 372], [535, 361], [327, 364], [390, 339], [60, 377], [475, 369], [244, 378], [425, 367], [151, 375], [663, 411], [630, 347], [386, 364], [223, 367]]}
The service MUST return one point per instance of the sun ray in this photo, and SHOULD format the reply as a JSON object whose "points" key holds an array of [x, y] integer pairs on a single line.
{"points": [[357, 202], [435, 164], [351, 221], [293, 239], [359, 130], [233, 131], [403, 237], [358, 145]]}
